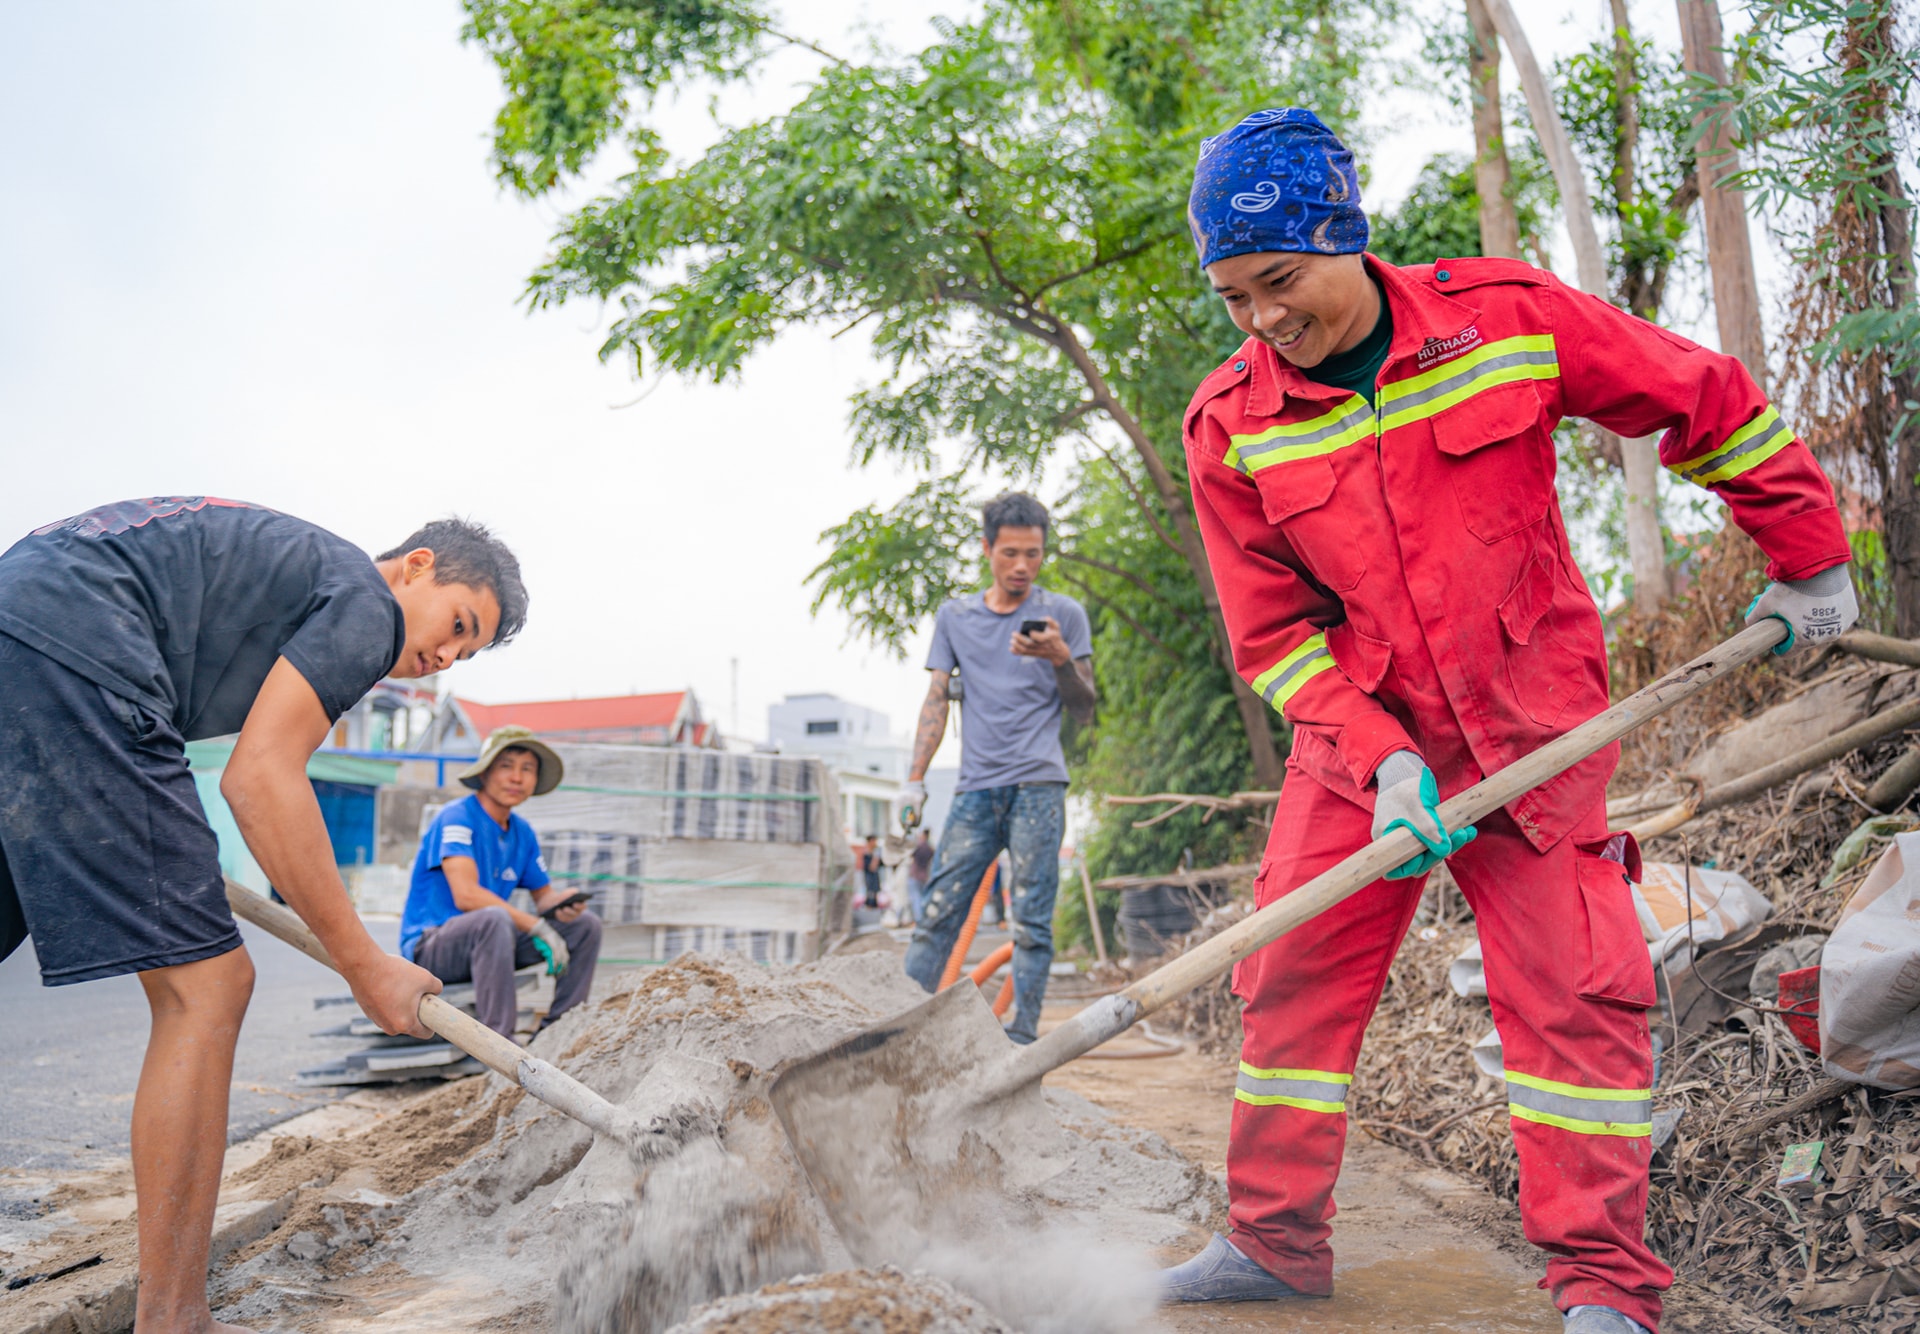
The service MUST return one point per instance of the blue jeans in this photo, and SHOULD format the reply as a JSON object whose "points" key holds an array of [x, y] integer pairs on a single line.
{"points": [[1025, 820]]}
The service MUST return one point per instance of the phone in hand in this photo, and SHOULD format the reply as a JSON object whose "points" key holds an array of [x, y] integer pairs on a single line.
{"points": [[571, 900], [1033, 627]]}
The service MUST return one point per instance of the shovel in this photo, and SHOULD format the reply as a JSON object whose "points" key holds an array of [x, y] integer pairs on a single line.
{"points": [[545, 1081], [896, 1123]]}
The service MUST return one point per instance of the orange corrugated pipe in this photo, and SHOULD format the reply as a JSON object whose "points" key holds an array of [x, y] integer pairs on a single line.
{"points": [[1005, 998], [987, 967], [968, 927]]}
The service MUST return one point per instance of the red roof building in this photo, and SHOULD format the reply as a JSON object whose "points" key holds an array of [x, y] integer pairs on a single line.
{"points": [[669, 719]]}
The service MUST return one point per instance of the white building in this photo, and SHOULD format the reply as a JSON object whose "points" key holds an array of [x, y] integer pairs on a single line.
{"points": [[869, 763]]}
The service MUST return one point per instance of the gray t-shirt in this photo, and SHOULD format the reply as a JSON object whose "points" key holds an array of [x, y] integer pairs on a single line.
{"points": [[1010, 731]]}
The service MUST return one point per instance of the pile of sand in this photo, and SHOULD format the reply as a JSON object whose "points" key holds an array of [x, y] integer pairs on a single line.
{"points": [[483, 1186], [860, 1301]]}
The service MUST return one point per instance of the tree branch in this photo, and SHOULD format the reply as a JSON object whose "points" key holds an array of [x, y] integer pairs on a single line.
{"points": [[1098, 262], [1140, 501], [1133, 579], [1131, 624]]}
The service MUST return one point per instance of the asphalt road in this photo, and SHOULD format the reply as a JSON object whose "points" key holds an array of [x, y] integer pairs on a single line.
{"points": [[70, 1056]]}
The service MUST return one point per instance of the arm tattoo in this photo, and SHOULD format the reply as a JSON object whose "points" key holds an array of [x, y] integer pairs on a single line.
{"points": [[1077, 692], [932, 728]]}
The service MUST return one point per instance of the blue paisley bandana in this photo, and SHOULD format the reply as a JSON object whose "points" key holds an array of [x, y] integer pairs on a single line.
{"points": [[1279, 180]]}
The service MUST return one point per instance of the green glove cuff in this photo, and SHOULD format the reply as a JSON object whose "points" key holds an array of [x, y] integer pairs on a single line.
{"points": [[1426, 861], [1784, 644], [546, 952]]}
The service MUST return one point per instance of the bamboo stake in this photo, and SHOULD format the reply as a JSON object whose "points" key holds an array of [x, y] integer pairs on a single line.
{"points": [[1093, 911]]}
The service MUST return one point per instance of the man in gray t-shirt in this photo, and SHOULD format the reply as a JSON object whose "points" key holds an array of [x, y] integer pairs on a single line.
{"points": [[1013, 657]]}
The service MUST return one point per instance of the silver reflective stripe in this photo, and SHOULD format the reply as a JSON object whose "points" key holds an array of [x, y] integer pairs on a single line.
{"points": [[1279, 682], [1292, 1088], [1344, 422], [1397, 404], [1717, 462], [1605, 1112]]}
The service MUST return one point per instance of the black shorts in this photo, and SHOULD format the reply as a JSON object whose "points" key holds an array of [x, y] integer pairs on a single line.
{"points": [[106, 857]]}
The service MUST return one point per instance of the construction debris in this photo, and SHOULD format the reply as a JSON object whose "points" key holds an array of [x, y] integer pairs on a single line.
{"points": [[721, 1209]]}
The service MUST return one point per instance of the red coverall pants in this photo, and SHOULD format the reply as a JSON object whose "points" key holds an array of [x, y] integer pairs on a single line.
{"points": [[1569, 979]]}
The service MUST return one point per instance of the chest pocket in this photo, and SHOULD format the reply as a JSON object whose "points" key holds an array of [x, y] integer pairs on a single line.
{"points": [[1295, 496], [1499, 457]]}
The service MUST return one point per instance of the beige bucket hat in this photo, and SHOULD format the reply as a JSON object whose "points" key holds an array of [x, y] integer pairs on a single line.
{"points": [[501, 738]]}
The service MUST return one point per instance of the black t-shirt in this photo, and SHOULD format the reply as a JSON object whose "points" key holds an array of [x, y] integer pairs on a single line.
{"points": [[1358, 368], [183, 603]]}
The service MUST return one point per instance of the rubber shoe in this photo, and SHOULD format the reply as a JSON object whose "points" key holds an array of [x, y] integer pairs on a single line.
{"points": [[1601, 1320], [1221, 1273]]}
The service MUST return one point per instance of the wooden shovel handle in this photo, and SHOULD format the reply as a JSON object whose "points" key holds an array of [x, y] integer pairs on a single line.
{"points": [[1216, 955], [456, 1026]]}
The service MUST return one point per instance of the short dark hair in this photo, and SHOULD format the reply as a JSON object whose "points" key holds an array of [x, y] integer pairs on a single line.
{"points": [[465, 552], [1013, 509]]}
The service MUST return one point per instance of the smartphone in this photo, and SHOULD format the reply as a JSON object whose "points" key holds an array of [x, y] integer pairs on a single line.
{"points": [[1033, 627], [576, 897]]}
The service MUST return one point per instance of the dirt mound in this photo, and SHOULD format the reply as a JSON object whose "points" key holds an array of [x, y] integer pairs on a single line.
{"points": [[483, 1188], [860, 1301]]}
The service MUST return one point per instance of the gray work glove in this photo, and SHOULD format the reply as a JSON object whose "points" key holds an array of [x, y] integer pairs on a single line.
{"points": [[1815, 609], [913, 803], [1409, 796], [552, 947]]}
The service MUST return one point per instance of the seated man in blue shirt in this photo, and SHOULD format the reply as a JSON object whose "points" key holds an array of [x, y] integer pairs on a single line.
{"points": [[458, 924]]}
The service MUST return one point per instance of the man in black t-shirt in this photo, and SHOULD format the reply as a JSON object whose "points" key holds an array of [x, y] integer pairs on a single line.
{"points": [[126, 632]]}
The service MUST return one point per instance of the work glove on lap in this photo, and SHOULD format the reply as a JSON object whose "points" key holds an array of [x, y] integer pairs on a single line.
{"points": [[913, 801], [1409, 796], [1815, 609], [552, 948]]}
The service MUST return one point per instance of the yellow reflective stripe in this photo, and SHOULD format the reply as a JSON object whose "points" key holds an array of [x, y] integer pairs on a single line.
{"points": [[1309, 1090], [1347, 424], [1578, 1090], [1578, 1107], [1623, 1129], [1281, 1100], [1526, 357], [1324, 1076], [1280, 682], [1748, 447]]}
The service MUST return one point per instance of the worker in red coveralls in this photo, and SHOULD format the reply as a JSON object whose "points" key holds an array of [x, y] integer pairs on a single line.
{"points": [[1373, 474]]}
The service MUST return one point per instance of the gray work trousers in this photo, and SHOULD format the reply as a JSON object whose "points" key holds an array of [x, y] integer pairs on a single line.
{"points": [[483, 947]]}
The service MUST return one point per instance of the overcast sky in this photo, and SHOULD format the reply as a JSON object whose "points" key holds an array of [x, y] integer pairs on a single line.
{"points": [[255, 250]]}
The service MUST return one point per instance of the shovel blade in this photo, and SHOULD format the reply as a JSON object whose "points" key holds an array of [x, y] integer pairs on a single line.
{"points": [[897, 1128]]}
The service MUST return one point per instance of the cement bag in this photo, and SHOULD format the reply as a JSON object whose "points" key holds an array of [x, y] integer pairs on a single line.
{"points": [[1467, 975], [1870, 976], [1723, 904]]}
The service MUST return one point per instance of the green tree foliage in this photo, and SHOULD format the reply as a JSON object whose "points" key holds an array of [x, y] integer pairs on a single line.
{"points": [[1820, 102], [1633, 131], [1440, 217], [1004, 214]]}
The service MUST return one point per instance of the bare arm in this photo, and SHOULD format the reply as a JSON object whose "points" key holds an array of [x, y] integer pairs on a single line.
{"points": [[932, 728], [1077, 693], [463, 878], [1074, 675], [266, 785]]}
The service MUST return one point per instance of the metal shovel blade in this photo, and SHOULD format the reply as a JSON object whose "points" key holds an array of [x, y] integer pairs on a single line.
{"points": [[895, 1135]]}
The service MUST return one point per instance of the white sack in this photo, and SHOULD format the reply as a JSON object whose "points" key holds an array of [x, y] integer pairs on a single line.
{"points": [[1870, 976], [1467, 974], [1723, 904]]}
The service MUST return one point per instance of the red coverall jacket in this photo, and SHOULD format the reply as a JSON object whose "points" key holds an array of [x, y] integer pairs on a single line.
{"points": [[1399, 576]]}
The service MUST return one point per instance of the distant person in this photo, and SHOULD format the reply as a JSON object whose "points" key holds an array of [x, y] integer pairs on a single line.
{"points": [[919, 869], [125, 633], [1023, 655], [458, 924], [870, 865]]}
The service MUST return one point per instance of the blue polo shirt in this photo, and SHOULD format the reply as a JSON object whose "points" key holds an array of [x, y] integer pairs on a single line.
{"points": [[508, 859]]}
